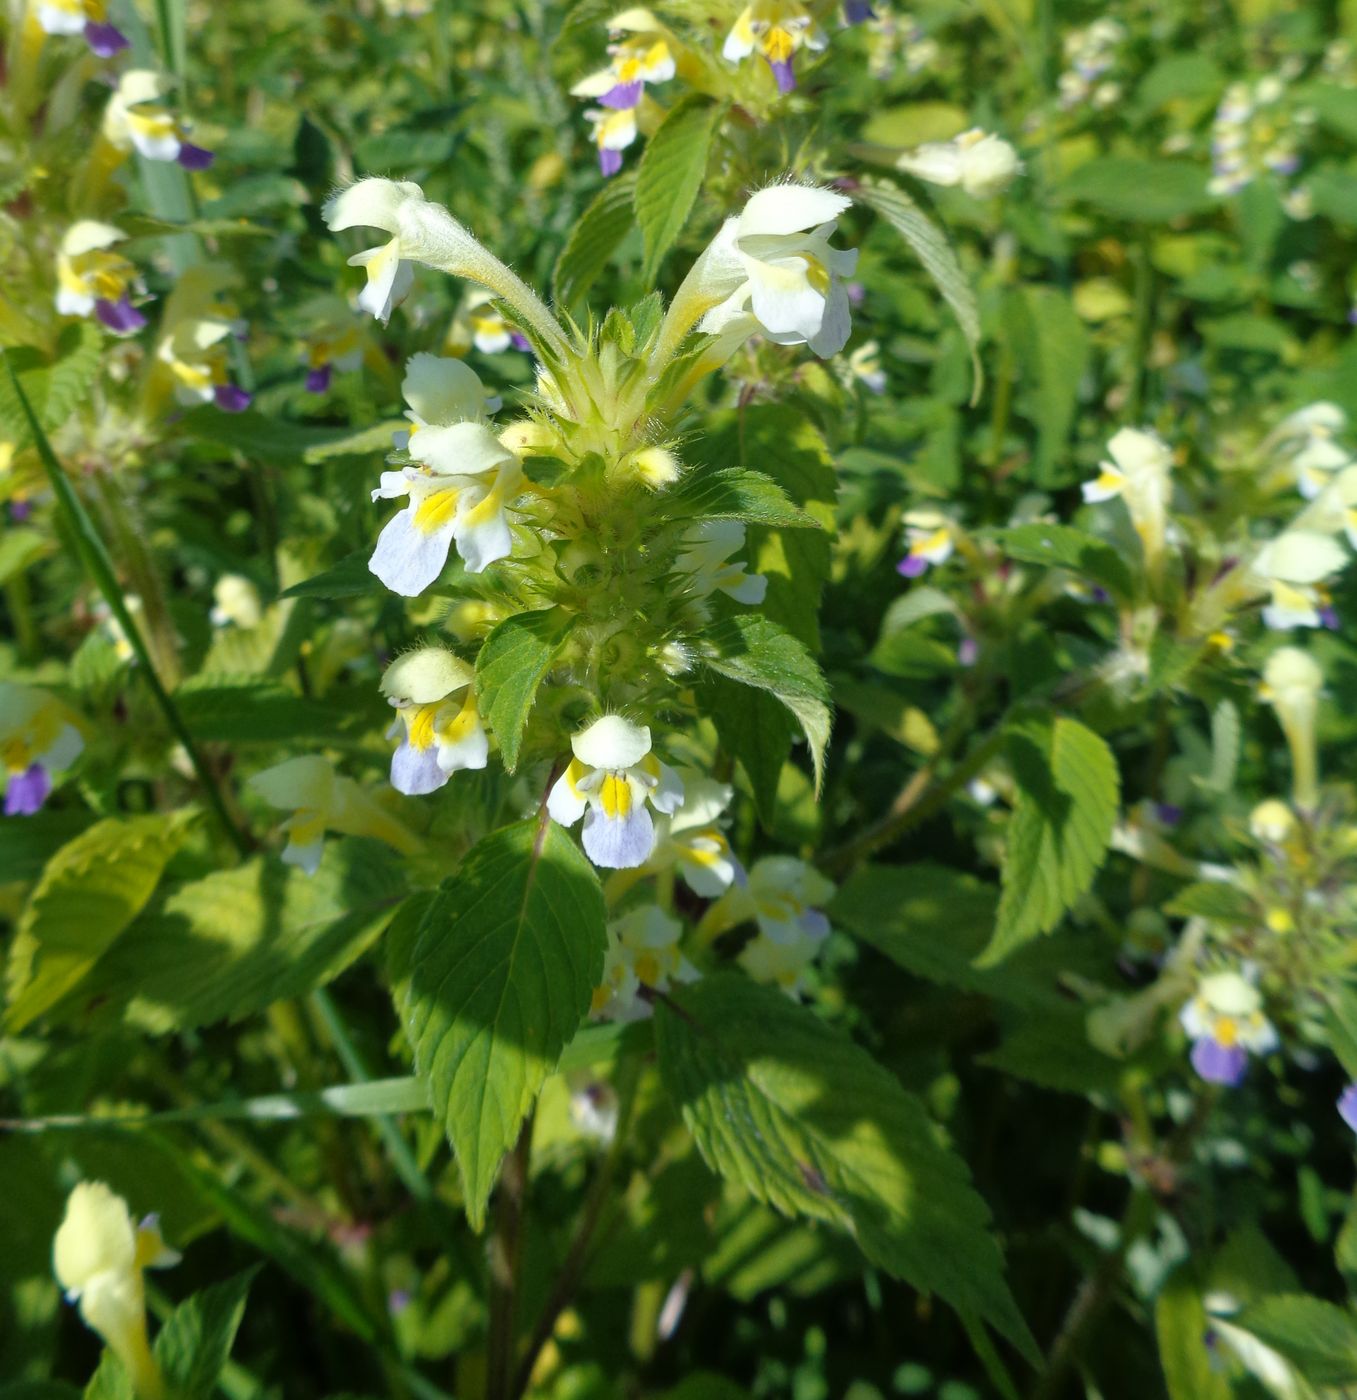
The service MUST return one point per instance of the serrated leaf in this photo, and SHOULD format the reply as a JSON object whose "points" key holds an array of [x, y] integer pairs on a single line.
{"points": [[349, 578], [501, 975], [53, 388], [231, 944], [757, 730], [670, 175], [246, 709], [750, 649], [1318, 1338], [594, 239], [90, 891], [734, 493], [278, 441], [1066, 547], [1050, 347], [1212, 899], [1068, 788], [931, 247], [1181, 1327], [26, 846], [806, 1121], [195, 1343], [20, 548], [510, 666], [1140, 190]]}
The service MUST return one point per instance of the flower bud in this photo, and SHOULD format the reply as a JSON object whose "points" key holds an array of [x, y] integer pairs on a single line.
{"points": [[1292, 681]]}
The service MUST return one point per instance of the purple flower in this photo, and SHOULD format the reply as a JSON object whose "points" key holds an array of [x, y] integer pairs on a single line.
{"points": [[609, 162], [27, 791], [1347, 1106], [318, 380], [19, 511], [1219, 1064], [121, 317], [230, 398], [782, 73], [519, 341], [968, 652], [193, 157], [912, 566], [1169, 813], [857, 11], [1329, 617], [105, 39], [622, 95]]}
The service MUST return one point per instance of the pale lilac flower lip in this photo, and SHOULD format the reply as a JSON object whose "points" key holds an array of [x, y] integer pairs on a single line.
{"points": [[19, 511], [1220, 1064], [27, 791], [609, 162], [1347, 1106], [519, 341], [622, 96], [121, 317], [318, 380], [912, 566], [230, 398], [193, 157], [857, 11], [105, 39]]}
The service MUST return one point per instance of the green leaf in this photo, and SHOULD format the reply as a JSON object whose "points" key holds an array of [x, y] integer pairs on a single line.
{"points": [[1226, 736], [670, 175], [1050, 346], [1342, 1027], [501, 976], [1140, 190], [805, 1120], [245, 709], [933, 250], [1068, 548], [594, 239], [1068, 789], [1318, 1338], [733, 493], [1051, 1047], [1181, 1327], [21, 547], [278, 441], [195, 1343], [510, 666], [935, 922], [231, 944], [55, 388], [750, 649], [26, 846], [347, 579], [1213, 899], [756, 729], [90, 891]]}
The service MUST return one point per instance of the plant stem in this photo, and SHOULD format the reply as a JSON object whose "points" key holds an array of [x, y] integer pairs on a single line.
{"points": [[506, 1252], [94, 556]]}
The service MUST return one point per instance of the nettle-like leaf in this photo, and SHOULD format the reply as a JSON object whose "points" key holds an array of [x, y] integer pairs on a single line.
{"points": [[1181, 1327], [229, 945], [596, 236], [247, 709], [805, 1120], [90, 891], [931, 247], [1068, 790], [278, 441], [757, 729], [195, 1343], [349, 578], [1063, 546], [1050, 345], [750, 649], [499, 979], [1318, 1338], [734, 493], [54, 388], [510, 666], [670, 174]]}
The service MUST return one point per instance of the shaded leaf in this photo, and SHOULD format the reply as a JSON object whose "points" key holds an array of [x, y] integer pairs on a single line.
{"points": [[510, 666]]}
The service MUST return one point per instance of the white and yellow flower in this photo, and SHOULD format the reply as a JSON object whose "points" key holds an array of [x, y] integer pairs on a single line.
{"points": [[1272, 821], [88, 18], [778, 30], [196, 350], [377, 204], [235, 601], [692, 842], [336, 342], [1293, 568], [38, 737], [1140, 473], [611, 782], [98, 1257], [480, 323], [1292, 682], [435, 703], [320, 801], [459, 485], [707, 560], [92, 281], [931, 540], [643, 952], [136, 119], [614, 131], [982, 164], [771, 270], [1226, 1022], [644, 57]]}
